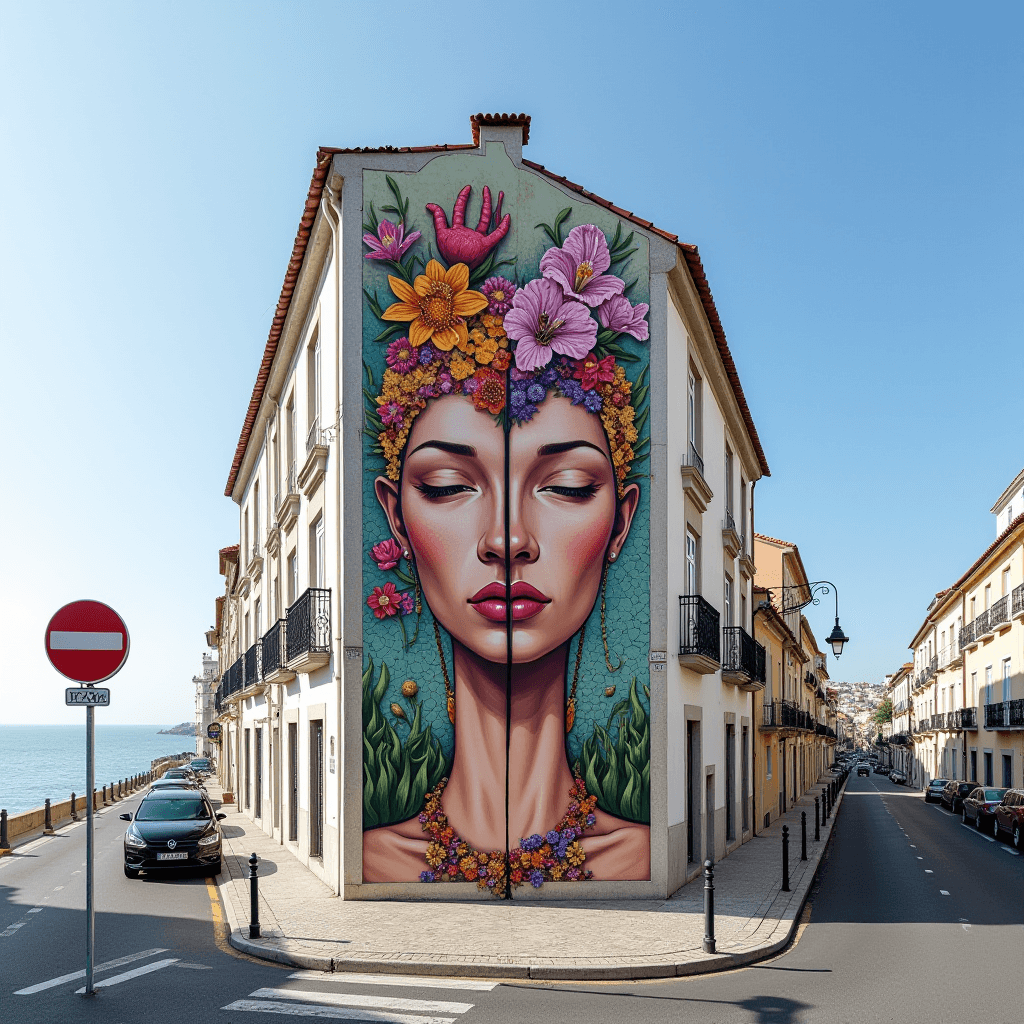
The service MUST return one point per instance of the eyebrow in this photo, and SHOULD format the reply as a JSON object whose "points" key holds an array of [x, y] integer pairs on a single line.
{"points": [[447, 446], [558, 447]]}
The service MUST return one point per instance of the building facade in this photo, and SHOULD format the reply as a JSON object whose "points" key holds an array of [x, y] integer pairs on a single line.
{"points": [[206, 696], [478, 629]]}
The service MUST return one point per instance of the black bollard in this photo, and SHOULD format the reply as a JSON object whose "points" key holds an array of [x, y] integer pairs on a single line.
{"points": [[709, 908], [254, 898], [785, 858], [111, 792], [817, 824], [74, 815], [48, 819], [104, 796], [803, 835], [4, 843]]}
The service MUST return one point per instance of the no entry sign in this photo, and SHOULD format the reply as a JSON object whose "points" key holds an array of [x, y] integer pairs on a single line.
{"points": [[87, 641]]}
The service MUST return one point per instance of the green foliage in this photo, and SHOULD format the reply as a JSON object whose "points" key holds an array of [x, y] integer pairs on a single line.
{"points": [[554, 231], [618, 770], [883, 712], [397, 775]]}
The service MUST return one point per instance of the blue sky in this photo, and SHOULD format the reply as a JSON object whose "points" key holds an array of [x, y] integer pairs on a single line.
{"points": [[851, 173]]}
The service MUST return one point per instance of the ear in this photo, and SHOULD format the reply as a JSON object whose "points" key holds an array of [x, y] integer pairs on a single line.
{"points": [[387, 495], [624, 519]]}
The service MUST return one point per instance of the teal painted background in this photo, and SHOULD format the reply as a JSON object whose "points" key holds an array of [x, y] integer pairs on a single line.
{"points": [[530, 200]]}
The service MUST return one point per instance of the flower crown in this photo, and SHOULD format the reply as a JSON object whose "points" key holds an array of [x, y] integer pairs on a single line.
{"points": [[506, 346]]}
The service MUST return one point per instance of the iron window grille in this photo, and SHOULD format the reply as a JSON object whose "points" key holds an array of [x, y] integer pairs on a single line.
{"points": [[272, 647], [698, 627], [308, 628]]}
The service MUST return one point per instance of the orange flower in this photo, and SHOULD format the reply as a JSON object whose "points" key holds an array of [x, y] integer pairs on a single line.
{"points": [[436, 305], [502, 360], [490, 391]]}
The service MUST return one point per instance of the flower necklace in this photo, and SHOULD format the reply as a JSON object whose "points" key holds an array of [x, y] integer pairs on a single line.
{"points": [[553, 857]]}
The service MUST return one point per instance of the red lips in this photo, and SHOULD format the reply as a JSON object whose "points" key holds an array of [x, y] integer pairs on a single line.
{"points": [[527, 601]]}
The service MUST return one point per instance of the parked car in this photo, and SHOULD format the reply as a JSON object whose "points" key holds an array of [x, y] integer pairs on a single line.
{"points": [[897, 776], [173, 828], [933, 791], [953, 793], [1009, 817], [879, 769], [863, 768], [979, 806], [201, 765], [166, 783]]}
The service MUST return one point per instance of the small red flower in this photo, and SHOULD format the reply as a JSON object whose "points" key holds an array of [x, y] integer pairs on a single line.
{"points": [[386, 554], [490, 391], [384, 601], [591, 371]]}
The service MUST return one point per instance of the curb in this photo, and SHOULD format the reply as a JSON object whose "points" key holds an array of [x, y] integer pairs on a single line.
{"points": [[540, 972]]}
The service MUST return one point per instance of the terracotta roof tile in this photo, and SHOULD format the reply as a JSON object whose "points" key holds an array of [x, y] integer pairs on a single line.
{"points": [[1019, 521], [774, 540], [313, 196]]}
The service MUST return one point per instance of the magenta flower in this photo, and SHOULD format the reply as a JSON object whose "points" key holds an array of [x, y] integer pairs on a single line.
{"points": [[617, 314], [543, 321], [580, 265], [386, 554], [401, 356], [391, 414], [389, 244], [406, 604], [499, 292]]}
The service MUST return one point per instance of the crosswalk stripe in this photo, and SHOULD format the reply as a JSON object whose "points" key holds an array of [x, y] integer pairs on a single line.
{"points": [[75, 975], [397, 980], [128, 975], [333, 1012], [358, 999]]}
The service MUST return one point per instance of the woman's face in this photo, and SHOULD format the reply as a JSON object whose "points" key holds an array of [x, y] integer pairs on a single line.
{"points": [[563, 522]]}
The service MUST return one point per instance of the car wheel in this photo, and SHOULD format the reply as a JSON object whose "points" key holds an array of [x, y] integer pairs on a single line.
{"points": [[1016, 836], [995, 826], [130, 872]]}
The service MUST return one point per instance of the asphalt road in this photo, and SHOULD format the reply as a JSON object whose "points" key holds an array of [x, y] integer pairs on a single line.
{"points": [[914, 918]]}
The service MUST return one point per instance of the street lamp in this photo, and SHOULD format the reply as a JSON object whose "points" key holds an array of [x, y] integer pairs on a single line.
{"points": [[837, 638]]}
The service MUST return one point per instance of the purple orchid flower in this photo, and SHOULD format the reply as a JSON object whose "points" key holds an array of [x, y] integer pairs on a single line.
{"points": [[543, 321], [618, 314], [580, 265], [389, 244]]}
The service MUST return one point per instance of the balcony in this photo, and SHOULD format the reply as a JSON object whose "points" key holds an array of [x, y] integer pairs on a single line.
{"points": [[286, 507], [950, 657], [999, 615], [730, 535], [695, 486], [1017, 607], [981, 626], [315, 466], [252, 666], [308, 631], [965, 718], [254, 568], [274, 647], [231, 682], [967, 641], [900, 739], [740, 659], [1007, 715], [746, 557], [699, 645]]}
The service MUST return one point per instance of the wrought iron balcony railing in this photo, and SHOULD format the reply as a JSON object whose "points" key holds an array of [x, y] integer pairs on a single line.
{"points": [[231, 681], [273, 647], [1018, 600], [695, 460], [309, 623], [1009, 714], [999, 612], [966, 635], [981, 625], [730, 521], [698, 628], [739, 652], [253, 669], [965, 718]]}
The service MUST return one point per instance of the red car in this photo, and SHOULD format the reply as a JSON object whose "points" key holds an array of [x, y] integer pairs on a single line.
{"points": [[980, 806], [1009, 817]]}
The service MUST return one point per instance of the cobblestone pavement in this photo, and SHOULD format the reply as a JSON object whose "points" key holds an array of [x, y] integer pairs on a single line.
{"points": [[304, 924]]}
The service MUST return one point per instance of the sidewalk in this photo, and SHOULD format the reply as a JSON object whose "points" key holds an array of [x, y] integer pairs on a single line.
{"points": [[304, 925]]}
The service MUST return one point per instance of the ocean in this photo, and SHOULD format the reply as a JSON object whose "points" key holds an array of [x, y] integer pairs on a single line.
{"points": [[40, 761]]}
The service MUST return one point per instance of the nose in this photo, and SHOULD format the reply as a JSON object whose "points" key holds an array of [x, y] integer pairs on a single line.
{"points": [[522, 542]]}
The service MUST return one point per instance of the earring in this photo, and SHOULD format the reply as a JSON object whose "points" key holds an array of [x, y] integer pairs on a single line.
{"points": [[570, 706], [604, 628], [611, 557], [406, 553], [449, 692]]}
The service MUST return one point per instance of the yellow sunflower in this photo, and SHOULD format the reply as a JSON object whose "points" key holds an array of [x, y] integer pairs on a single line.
{"points": [[436, 305]]}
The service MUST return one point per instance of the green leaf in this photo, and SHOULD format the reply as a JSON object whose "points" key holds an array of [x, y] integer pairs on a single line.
{"points": [[388, 331], [639, 395], [562, 217], [641, 420], [622, 256]]}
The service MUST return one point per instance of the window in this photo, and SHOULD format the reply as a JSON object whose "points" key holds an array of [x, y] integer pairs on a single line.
{"points": [[692, 584], [293, 577], [988, 685], [728, 602], [317, 567], [290, 439], [728, 483], [255, 517], [1006, 679], [768, 763], [245, 536], [247, 633], [973, 612], [988, 596], [258, 616], [693, 413], [275, 463], [1007, 770], [974, 689], [277, 598], [988, 768], [974, 765], [313, 388], [743, 512], [1006, 582], [730, 781]]}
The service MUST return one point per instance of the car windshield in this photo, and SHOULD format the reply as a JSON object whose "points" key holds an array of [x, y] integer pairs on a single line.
{"points": [[200, 764], [939, 782], [188, 809], [994, 794]]}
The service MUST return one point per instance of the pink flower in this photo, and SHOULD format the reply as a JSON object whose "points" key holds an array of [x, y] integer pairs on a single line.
{"points": [[499, 292], [386, 554], [617, 314], [401, 356], [580, 265], [391, 413], [591, 371], [406, 604], [542, 320], [388, 245], [384, 601]]}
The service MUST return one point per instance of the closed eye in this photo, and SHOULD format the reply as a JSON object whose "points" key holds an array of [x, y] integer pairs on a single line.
{"points": [[429, 491], [579, 493]]}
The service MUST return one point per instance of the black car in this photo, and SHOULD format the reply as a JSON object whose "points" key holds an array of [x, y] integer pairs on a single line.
{"points": [[933, 791], [863, 768], [173, 828], [953, 793], [201, 766], [165, 783]]}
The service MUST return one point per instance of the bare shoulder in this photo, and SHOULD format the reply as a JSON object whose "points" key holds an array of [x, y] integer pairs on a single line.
{"points": [[618, 849], [394, 853]]}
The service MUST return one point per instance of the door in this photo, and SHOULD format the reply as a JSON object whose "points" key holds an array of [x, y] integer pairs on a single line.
{"points": [[258, 810], [316, 788], [293, 782], [248, 771]]}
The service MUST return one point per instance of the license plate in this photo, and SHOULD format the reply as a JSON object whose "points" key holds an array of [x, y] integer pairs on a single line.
{"points": [[173, 856]]}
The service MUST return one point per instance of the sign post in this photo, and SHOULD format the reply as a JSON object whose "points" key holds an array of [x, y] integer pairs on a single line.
{"points": [[87, 641]]}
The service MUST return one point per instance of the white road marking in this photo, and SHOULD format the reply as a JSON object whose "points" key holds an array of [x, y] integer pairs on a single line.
{"points": [[34, 910], [966, 927], [1006, 849], [397, 980], [108, 966], [912, 846], [157, 965], [358, 999], [975, 832], [335, 1013], [928, 871], [920, 858], [57, 888], [943, 891], [11, 929], [71, 640]]}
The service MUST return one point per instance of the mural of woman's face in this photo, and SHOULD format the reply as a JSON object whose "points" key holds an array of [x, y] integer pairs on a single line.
{"points": [[564, 521]]}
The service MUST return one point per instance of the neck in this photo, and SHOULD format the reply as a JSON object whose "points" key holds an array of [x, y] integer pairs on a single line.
{"points": [[539, 778]]}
